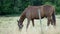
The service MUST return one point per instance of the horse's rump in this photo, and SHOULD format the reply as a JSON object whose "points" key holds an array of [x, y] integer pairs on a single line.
{"points": [[48, 10]]}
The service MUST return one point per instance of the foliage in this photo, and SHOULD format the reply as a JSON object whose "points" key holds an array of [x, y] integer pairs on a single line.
{"points": [[18, 6]]}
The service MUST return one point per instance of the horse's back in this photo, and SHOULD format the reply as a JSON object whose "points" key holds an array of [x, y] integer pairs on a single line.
{"points": [[32, 12]]}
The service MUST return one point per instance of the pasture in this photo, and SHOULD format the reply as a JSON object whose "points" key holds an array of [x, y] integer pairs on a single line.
{"points": [[8, 25]]}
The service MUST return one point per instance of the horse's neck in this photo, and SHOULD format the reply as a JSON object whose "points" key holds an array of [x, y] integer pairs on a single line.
{"points": [[22, 17]]}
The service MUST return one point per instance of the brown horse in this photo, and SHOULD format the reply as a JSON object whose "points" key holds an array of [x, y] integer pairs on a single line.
{"points": [[31, 13]]}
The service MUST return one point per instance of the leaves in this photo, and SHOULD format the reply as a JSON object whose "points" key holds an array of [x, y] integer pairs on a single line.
{"points": [[17, 6]]}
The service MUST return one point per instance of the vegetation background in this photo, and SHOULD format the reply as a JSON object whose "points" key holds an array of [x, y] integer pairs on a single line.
{"points": [[10, 7]]}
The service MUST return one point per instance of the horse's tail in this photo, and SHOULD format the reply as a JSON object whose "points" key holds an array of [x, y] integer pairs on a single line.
{"points": [[53, 17]]}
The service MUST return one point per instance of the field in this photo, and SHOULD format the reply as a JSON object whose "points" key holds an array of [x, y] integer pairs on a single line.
{"points": [[8, 25]]}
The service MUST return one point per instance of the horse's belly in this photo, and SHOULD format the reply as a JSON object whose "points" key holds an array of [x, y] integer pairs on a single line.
{"points": [[37, 17]]}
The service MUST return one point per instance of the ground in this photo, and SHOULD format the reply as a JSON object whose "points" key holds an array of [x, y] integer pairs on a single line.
{"points": [[8, 25]]}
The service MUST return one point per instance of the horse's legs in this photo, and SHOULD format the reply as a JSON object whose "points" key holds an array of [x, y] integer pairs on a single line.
{"points": [[48, 22], [28, 22], [54, 25], [33, 22], [52, 22]]}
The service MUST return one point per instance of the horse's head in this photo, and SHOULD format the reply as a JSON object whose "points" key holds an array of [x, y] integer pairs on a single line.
{"points": [[20, 25]]}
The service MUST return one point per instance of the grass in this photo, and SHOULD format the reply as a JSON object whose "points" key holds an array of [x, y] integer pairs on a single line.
{"points": [[8, 25]]}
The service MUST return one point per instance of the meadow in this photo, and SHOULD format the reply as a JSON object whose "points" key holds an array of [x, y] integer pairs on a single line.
{"points": [[9, 25]]}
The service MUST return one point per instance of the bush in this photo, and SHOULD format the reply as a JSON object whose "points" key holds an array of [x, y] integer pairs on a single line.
{"points": [[57, 10]]}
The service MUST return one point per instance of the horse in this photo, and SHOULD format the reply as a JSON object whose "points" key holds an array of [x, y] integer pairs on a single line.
{"points": [[31, 13]]}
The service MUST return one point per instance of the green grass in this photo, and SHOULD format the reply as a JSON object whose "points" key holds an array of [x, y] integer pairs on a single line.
{"points": [[8, 25]]}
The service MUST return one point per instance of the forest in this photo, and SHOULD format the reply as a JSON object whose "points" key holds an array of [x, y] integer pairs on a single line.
{"points": [[8, 7]]}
